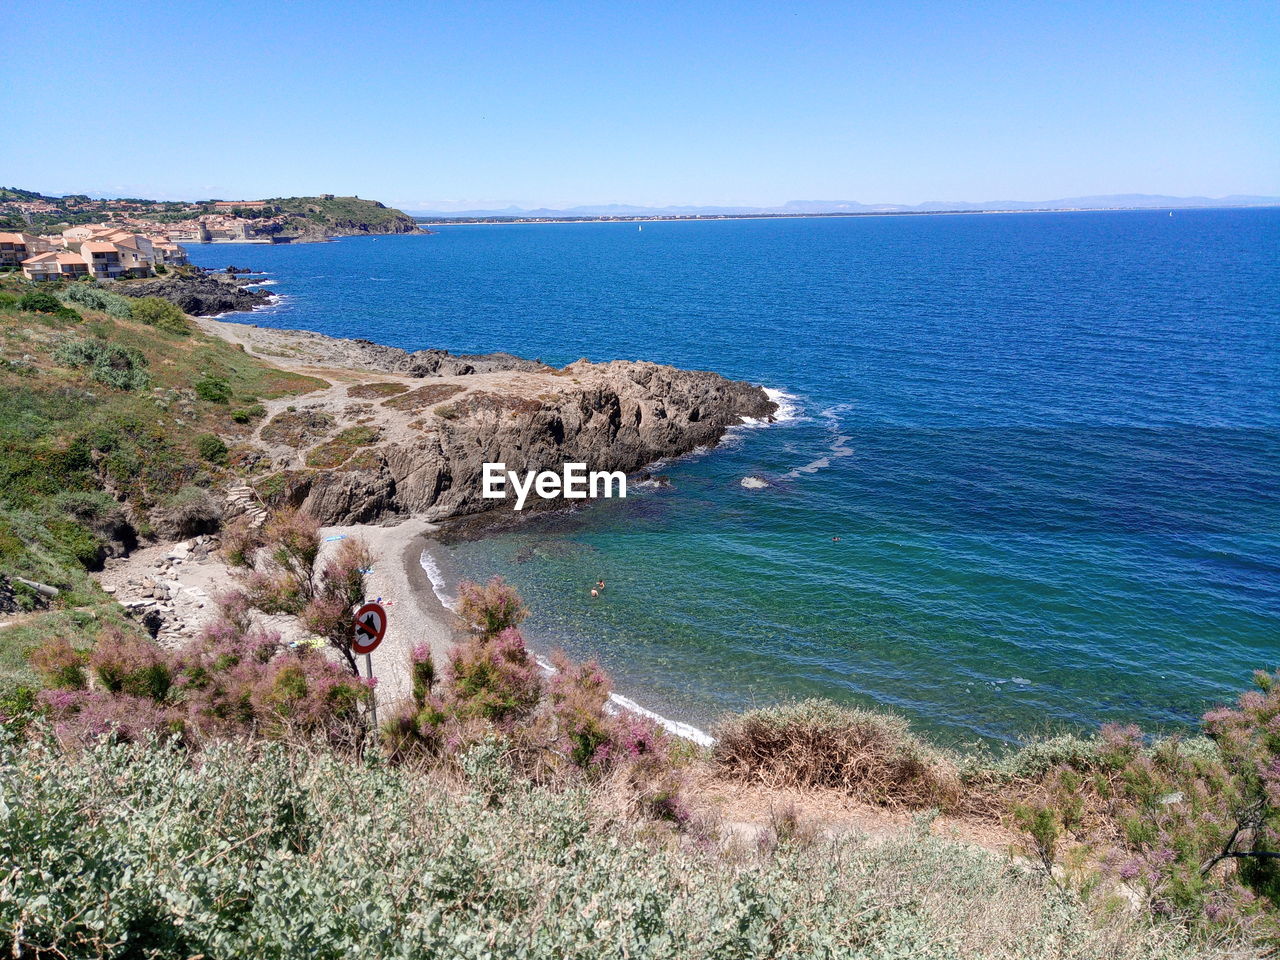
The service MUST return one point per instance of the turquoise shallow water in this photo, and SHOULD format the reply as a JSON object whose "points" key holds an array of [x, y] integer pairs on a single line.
{"points": [[1047, 444]]}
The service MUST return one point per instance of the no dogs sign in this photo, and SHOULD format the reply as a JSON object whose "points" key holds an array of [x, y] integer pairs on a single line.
{"points": [[370, 625]]}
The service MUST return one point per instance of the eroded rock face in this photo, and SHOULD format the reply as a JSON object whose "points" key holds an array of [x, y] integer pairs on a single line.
{"points": [[201, 295], [429, 461]]}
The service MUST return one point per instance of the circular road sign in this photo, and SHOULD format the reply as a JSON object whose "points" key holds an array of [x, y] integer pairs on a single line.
{"points": [[370, 626]]}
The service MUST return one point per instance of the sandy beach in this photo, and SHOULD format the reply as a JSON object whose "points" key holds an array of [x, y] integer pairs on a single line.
{"points": [[415, 614]]}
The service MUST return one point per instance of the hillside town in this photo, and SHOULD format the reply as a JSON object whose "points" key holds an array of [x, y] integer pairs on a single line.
{"points": [[98, 251]]}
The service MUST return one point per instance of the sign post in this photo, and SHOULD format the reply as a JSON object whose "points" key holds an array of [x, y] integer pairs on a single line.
{"points": [[370, 627]]}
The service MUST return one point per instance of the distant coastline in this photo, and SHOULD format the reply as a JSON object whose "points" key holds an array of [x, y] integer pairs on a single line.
{"points": [[442, 221]]}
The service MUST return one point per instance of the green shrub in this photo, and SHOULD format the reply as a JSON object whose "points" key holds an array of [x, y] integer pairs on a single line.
{"points": [[214, 389], [161, 314], [211, 448], [37, 301], [95, 298], [111, 363], [86, 505], [17, 707], [246, 414]]}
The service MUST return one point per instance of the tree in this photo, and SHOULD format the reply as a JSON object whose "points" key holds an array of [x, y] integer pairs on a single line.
{"points": [[339, 591], [285, 575]]}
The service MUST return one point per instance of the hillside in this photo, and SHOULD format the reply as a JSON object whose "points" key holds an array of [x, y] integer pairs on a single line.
{"points": [[116, 419], [340, 216], [295, 218]]}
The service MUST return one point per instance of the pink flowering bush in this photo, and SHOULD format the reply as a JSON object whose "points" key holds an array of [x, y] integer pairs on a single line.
{"points": [[492, 678], [577, 694], [490, 609], [59, 665], [131, 665], [83, 715], [549, 727], [1194, 826], [283, 575], [226, 683]]}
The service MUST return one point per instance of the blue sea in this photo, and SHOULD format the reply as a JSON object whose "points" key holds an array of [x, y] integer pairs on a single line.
{"points": [[1027, 476]]}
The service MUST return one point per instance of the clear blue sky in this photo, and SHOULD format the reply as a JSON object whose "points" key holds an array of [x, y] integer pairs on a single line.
{"points": [[650, 103]]}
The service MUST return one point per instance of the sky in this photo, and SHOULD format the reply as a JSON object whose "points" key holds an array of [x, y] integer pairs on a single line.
{"points": [[439, 105]]}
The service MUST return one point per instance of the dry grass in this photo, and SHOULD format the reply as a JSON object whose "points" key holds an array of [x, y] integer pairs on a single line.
{"points": [[818, 744], [375, 391], [423, 397], [295, 428], [334, 453]]}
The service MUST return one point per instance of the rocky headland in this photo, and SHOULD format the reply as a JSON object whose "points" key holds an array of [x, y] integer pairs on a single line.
{"points": [[397, 433], [200, 294]]}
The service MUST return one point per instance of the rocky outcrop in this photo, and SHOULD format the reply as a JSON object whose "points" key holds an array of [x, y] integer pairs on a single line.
{"points": [[198, 294], [432, 442], [298, 230]]}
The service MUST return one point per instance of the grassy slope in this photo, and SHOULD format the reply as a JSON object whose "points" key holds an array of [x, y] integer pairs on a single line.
{"points": [[65, 438], [268, 850]]}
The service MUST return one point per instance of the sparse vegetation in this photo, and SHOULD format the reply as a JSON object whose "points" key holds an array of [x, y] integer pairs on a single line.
{"points": [[816, 743], [110, 363], [336, 452], [191, 512], [375, 391], [296, 428], [423, 397], [162, 315], [88, 404]]}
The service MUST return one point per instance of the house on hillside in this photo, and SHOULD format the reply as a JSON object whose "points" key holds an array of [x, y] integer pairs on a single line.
{"points": [[86, 231], [55, 265], [17, 247], [168, 253], [191, 231], [112, 252], [113, 260]]}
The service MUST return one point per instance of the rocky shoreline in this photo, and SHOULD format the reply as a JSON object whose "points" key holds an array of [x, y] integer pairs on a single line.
{"points": [[200, 294], [396, 433]]}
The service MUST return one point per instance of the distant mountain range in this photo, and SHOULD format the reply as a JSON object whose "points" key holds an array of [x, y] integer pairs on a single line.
{"points": [[1118, 201]]}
